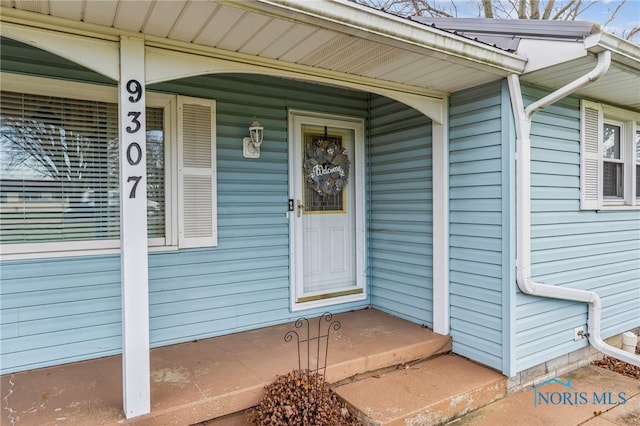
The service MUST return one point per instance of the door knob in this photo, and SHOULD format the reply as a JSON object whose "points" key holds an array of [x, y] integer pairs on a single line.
{"points": [[300, 208]]}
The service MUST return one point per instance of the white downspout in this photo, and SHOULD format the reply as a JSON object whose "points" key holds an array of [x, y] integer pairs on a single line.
{"points": [[523, 249]]}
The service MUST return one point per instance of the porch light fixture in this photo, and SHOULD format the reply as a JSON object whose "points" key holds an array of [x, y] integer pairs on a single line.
{"points": [[251, 145]]}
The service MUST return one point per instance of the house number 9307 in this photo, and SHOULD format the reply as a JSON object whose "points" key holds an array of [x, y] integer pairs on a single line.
{"points": [[134, 151]]}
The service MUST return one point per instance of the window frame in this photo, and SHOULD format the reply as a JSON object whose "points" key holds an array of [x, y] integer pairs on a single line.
{"points": [[608, 199], [635, 153], [629, 123], [101, 93]]}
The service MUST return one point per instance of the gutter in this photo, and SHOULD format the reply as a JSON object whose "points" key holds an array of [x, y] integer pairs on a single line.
{"points": [[623, 51], [523, 249]]}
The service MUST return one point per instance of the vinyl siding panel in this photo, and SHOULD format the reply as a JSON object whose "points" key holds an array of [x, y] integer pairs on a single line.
{"points": [[400, 215], [598, 251], [59, 310], [68, 309], [476, 218]]}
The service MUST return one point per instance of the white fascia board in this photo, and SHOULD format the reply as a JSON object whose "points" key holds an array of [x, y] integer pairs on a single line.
{"points": [[545, 53], [351, 18]]}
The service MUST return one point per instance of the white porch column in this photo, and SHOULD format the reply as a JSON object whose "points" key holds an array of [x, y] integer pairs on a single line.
{"points": [[440, 172], [133, 229]]}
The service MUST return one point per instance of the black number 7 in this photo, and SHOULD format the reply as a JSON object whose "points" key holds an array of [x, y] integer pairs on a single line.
{"points": [[136, 181]]}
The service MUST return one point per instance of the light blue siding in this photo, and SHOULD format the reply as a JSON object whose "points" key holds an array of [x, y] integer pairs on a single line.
{"points": [[589, 250], [479, 226], [57, 311], [67, 309], [400, 219]]}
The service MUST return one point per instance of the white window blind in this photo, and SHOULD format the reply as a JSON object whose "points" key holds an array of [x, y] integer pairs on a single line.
{"points": [[156, 188], [59, 169]]}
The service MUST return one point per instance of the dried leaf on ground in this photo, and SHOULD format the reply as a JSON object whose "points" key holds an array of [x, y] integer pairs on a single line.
{"points": [[618, 366], [302, 398]]}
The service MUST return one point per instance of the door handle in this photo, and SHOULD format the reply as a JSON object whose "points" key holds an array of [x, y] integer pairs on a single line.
{"points": [[300, 208]]}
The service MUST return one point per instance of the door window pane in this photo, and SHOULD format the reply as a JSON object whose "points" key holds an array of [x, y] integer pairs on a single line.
{"points": [[326, 167]]}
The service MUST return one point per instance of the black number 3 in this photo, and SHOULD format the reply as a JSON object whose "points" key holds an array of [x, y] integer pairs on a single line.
{"points": [[135, 120]]}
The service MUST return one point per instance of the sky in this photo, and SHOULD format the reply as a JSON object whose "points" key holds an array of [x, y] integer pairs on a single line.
{"points": [[627, 18], [598, 11]]}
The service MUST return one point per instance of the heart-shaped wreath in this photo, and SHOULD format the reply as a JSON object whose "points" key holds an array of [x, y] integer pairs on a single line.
{"points": [[326, 167]]}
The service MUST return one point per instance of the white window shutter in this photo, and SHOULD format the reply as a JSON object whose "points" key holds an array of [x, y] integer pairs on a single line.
{"points": [[591, 128], [197, 173]]}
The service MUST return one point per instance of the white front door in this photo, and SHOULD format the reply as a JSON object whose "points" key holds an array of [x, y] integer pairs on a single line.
{"points": [[327, 221]]}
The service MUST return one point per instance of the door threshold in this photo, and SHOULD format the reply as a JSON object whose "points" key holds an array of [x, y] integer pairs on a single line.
{"points": [[330, 295]]}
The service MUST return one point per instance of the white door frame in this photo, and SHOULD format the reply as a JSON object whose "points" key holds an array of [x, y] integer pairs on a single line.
{"points": [[296, 243]]}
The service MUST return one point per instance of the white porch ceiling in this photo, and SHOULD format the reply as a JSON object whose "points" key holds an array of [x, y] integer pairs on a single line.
{"points": [[272, 30]]}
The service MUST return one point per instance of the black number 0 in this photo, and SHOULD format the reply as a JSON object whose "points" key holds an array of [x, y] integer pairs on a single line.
{"points": [[138, 154]]}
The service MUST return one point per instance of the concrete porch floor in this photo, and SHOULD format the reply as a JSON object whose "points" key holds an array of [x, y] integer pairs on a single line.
{"points": [[214, 380], [205, 379]]}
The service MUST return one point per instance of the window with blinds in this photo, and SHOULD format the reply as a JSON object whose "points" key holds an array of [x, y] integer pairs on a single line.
{"points": [[637, 164], [613, 162], [59, 169], [609, 157]]}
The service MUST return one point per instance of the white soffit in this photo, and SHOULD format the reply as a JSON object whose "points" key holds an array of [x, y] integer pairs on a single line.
{"points": [[330, 36], [618, 86]]}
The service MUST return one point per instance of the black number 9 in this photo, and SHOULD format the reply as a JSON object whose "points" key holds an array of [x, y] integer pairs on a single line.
{"points": [[135, 89]]}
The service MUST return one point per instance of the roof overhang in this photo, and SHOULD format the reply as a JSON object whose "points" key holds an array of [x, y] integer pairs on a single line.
{"points": [[558, 52], [619, 86], [335, 39]]}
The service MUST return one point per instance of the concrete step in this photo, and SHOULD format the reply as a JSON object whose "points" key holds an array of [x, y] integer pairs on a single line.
{"points": [[371, 340], [429, 392], [210, 378]]}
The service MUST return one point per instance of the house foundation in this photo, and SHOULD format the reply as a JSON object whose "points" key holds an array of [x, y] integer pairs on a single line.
{"points": [[561, 365]]}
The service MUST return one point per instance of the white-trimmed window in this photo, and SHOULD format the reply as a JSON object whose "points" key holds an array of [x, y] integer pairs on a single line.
{"points": [[609, 157], [59, 169], [638, 164]]}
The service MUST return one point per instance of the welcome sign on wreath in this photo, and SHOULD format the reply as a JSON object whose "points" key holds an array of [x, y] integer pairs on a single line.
{"points": [[326, 167]]}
